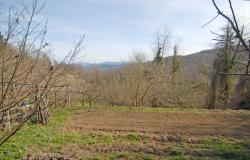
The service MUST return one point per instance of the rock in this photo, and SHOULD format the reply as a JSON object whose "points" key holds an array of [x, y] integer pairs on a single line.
{"points": [[174, 138], [190, 140], [164, 138]]}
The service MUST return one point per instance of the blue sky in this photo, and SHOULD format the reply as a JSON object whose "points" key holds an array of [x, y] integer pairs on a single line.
{"points": [[114, 29]]}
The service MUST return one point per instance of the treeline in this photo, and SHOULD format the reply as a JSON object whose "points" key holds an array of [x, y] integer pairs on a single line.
{"points": [[158, 83], [168, 82], [162, 82]]}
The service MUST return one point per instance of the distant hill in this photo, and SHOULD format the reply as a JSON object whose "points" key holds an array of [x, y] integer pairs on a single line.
{"points": [[104, 65], [193, 65], [197, 64]]}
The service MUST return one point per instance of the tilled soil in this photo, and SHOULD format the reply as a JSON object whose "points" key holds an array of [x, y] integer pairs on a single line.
{"points": [[161, 134], [178, 123], [48, 157]]}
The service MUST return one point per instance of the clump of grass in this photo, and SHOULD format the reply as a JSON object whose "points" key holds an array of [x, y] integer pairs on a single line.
{"points": [[121, 155], [133, 137], [225, 148], [105, 138], [96, 158], [130, 156]]}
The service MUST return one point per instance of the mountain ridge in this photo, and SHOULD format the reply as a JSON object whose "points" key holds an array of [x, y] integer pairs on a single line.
{"points": [[192, 62]]}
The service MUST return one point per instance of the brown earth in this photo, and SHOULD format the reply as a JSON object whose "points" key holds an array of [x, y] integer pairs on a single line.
{"points": [[158, 134], [235, 125], [47, 157]]}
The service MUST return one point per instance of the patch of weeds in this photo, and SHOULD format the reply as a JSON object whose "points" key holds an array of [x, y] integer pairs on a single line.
{"points": [[139, 156], [132, 156], [133, 137], [10, 151], [148, 157], [104, 138], [122, 155], [221, 144], [224, 148], [185, 158], [174, 152], [145, 141], [178, 153], [42, 137], [89, 140], [97, 158]]}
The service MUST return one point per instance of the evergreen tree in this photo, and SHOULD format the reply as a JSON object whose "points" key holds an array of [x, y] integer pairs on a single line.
{"points": [[175, 64], [159, 57], [222, 83]]}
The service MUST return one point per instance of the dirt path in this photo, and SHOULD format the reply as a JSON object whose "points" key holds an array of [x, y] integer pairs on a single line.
{"points": [[180, 123]]}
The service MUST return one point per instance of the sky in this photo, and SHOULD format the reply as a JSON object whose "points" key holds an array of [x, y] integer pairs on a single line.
{"points": [[114, 29]]}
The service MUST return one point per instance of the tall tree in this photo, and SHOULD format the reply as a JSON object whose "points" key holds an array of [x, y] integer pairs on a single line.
{"points": [[222, 84], [175, 67], [160, 46], [244, 42], [244, 46]]}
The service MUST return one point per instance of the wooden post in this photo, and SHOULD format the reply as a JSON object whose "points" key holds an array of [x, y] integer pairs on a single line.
{"points": [[37, 104], [10, 101], [45, 111], [83, 99], [42, 107], [8, 119], [40, 118], [55, 100], [68, 96]]}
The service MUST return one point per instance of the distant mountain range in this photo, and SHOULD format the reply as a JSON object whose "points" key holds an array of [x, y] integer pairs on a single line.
{"points": [[191, 64], [104, 65]]}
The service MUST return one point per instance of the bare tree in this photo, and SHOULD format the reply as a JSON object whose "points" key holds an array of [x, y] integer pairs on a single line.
{"points": [[92, 89], [137, 81], [161, 45], [112, 87], [25, 71], [222, 84], [175, 67], [245, 43]]}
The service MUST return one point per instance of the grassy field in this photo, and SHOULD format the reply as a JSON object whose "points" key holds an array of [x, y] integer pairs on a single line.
{"points": [[62, 137]]}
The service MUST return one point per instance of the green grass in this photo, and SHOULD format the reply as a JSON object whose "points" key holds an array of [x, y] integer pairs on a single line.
{"points": [[133, 137], [37, 137], [227, 148], [127, 156], [53, 138], [211, 148]]}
